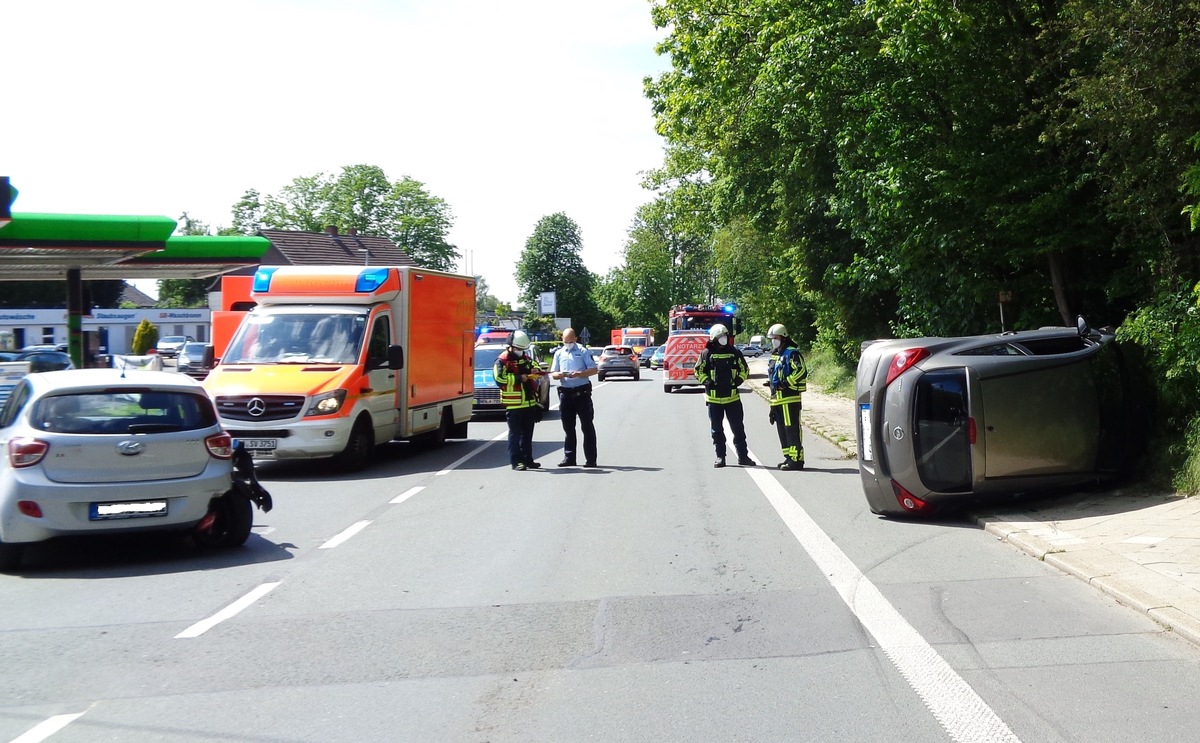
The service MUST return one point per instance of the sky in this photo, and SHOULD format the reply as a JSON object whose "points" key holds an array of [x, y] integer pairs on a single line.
{"points": [[508, 111]]}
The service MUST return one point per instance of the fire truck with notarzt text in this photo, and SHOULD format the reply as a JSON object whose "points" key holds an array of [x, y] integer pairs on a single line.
{"points": [[687, 335], [332, 361]]}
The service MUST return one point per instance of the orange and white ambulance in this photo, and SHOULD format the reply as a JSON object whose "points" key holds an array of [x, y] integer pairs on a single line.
{"points": [[334, 360]]}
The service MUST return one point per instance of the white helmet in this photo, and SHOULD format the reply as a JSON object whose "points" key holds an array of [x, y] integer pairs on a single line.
{"points": [[519, 340], [717, 331], [777, 329]]}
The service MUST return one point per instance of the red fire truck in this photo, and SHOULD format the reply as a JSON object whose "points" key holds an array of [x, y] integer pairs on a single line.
{"points": [[687, 334]]}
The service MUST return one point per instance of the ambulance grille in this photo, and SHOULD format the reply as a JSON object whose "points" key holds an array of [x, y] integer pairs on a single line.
{"points": [[260, 407]]}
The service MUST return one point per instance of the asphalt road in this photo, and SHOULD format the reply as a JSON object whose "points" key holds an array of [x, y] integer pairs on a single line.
{"points": [[441, 596]]}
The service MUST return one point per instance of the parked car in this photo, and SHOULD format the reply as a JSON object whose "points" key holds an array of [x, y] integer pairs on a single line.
{"points": [[751, 350], [645, 355], [656, 361], [102, 451], [487, 392], [618, 360], [169, 345], [596, 352], [6, 356], [195, 359], [45, 347], [942, 421], [46, 360]]}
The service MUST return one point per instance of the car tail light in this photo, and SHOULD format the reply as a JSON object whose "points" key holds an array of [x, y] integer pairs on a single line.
{"points": [[909, 502], [220, 445], [24, 452], [30, 509], [904, 361], [971, 431]]}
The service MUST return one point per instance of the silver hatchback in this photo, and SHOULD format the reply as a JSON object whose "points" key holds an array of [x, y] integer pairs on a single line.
{"points": [[944, 420], [92, 451]]}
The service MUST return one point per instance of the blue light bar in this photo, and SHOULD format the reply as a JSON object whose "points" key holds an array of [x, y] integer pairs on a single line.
{"points": [[370, 279], [262, 279]]}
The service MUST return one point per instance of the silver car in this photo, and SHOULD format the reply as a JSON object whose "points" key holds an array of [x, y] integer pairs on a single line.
{"points": [[617, 360], [90, 451], [944, 420]]}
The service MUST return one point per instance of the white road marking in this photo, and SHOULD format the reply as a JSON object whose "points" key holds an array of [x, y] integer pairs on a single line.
{"points": [[348, 532], [407, 494], [960, 711], [228, 612], [46, 728], [456, 463]]}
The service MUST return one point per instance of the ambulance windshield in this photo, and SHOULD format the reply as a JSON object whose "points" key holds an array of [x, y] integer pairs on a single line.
{"points": [[297, 338]]}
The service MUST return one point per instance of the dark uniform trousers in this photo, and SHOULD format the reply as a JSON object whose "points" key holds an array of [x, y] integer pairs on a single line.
{"points": [[577, 404], [734, 412], [787, 425], [520, 434]]}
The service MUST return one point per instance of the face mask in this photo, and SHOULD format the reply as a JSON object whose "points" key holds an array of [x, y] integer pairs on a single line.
{"points": [[723, 340], [776, 343], [570, 347]]}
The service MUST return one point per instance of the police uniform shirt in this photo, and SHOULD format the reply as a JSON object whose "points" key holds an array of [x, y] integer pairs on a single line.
{"points": [[576, 360]]}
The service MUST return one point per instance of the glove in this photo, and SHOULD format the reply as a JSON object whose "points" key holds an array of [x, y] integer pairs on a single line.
{"points": [[771, 417]]}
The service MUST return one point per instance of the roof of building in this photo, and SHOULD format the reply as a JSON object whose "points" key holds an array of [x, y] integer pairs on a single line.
{"points": [[331, 248], [132, 295]]}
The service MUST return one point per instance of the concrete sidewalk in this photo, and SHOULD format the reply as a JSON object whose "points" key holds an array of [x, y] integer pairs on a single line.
{"points": [[1142, 548]]}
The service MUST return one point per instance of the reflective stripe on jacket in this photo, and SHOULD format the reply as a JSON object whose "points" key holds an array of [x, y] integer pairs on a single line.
{"points": [[514, 394], [787, 374], [721, 369]]}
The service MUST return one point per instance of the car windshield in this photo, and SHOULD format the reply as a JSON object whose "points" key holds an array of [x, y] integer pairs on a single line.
{"points": [[44, 361], [485, 358], [192, 349], [116, 412], [300, 338], [174, 339]]}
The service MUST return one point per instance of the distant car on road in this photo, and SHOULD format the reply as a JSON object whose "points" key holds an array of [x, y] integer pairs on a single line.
{"points": [[617, 360], [656, 361], [168, 346], [942, 421], [195, 359], [46, 360], [102, 451], [645, 355]]}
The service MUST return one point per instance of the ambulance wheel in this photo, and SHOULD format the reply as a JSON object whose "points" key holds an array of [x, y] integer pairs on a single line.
{"points": [[228, 521], [600, 377], [438, 436], [358, 449], [667, 388]]}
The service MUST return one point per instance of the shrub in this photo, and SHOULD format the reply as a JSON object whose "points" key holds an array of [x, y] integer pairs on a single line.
{"points": [[145, 337]]}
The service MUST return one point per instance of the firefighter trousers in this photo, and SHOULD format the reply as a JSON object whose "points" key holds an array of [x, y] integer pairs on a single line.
{"points": [[520, 434], [733, 412], [787, 425]]}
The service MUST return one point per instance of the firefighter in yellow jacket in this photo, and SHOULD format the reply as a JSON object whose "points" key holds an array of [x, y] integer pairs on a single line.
{"points": [[516, 375], [721, 368], [787, 377]]}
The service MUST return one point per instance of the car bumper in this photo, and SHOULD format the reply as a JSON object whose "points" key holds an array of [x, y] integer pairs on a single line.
{"points": [[314, 439], [68, 509]]}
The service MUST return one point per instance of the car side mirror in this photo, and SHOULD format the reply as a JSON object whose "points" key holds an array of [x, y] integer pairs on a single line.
{"points": [[395, 357]]}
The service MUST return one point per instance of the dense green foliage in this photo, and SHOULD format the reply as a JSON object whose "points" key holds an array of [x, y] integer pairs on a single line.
{"points": [[865, 168], [551, 262], [145, 337]]}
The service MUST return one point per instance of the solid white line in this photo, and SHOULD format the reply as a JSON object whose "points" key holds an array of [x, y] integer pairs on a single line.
{"points": [[456, 463], [407, 494], [228, 612], [960, 711], [46, 728], [348, 532]]}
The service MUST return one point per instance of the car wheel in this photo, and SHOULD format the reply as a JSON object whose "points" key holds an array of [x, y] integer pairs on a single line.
{"points": [[667, 388], [600, 377], [637, 376], [228, 521], [438, 436], [10, 556], [358, 449]]}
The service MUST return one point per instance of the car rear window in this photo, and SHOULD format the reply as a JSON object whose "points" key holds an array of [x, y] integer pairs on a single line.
{"points": [[123, 412], [941, 441]]}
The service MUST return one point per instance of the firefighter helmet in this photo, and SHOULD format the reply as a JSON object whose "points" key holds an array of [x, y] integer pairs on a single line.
{"points": [[777, 330], [519, 340], [717, 331]]}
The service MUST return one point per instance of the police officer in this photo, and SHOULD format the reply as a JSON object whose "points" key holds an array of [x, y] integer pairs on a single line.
{"points": [[787, 377], [573, 365], [721, 368], [516, 375]]}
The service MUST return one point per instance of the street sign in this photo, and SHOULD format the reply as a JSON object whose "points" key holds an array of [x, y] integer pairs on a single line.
{"points": [[548, 304]]}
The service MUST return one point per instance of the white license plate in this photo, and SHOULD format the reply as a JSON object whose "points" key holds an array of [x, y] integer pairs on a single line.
{"points": [[133, 510], [260, 444], [864, 414], [689, 365]]}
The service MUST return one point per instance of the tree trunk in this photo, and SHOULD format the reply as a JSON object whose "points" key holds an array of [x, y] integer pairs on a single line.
{"points": [[1060, 290]]}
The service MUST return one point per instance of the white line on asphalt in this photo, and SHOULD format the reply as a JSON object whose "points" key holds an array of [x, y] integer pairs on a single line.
{"points": [[960, 711], [228, 612], [46, 728], [454, 465], [348, 532], [407, 494]]}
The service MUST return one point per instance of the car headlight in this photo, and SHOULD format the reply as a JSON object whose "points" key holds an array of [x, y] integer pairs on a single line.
{"points": [[326, 403]]}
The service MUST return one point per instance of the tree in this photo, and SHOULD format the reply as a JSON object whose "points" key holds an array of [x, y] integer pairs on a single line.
{"points": [[551, 262], [145, 337], [484, 301], [362, 198], [185, 292]]}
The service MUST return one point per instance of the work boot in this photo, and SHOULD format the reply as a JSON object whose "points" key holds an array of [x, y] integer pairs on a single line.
{"points": [[720, 462], [519, 467], [791, 464], [533, 465], [567, 463], [745, 461]]}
